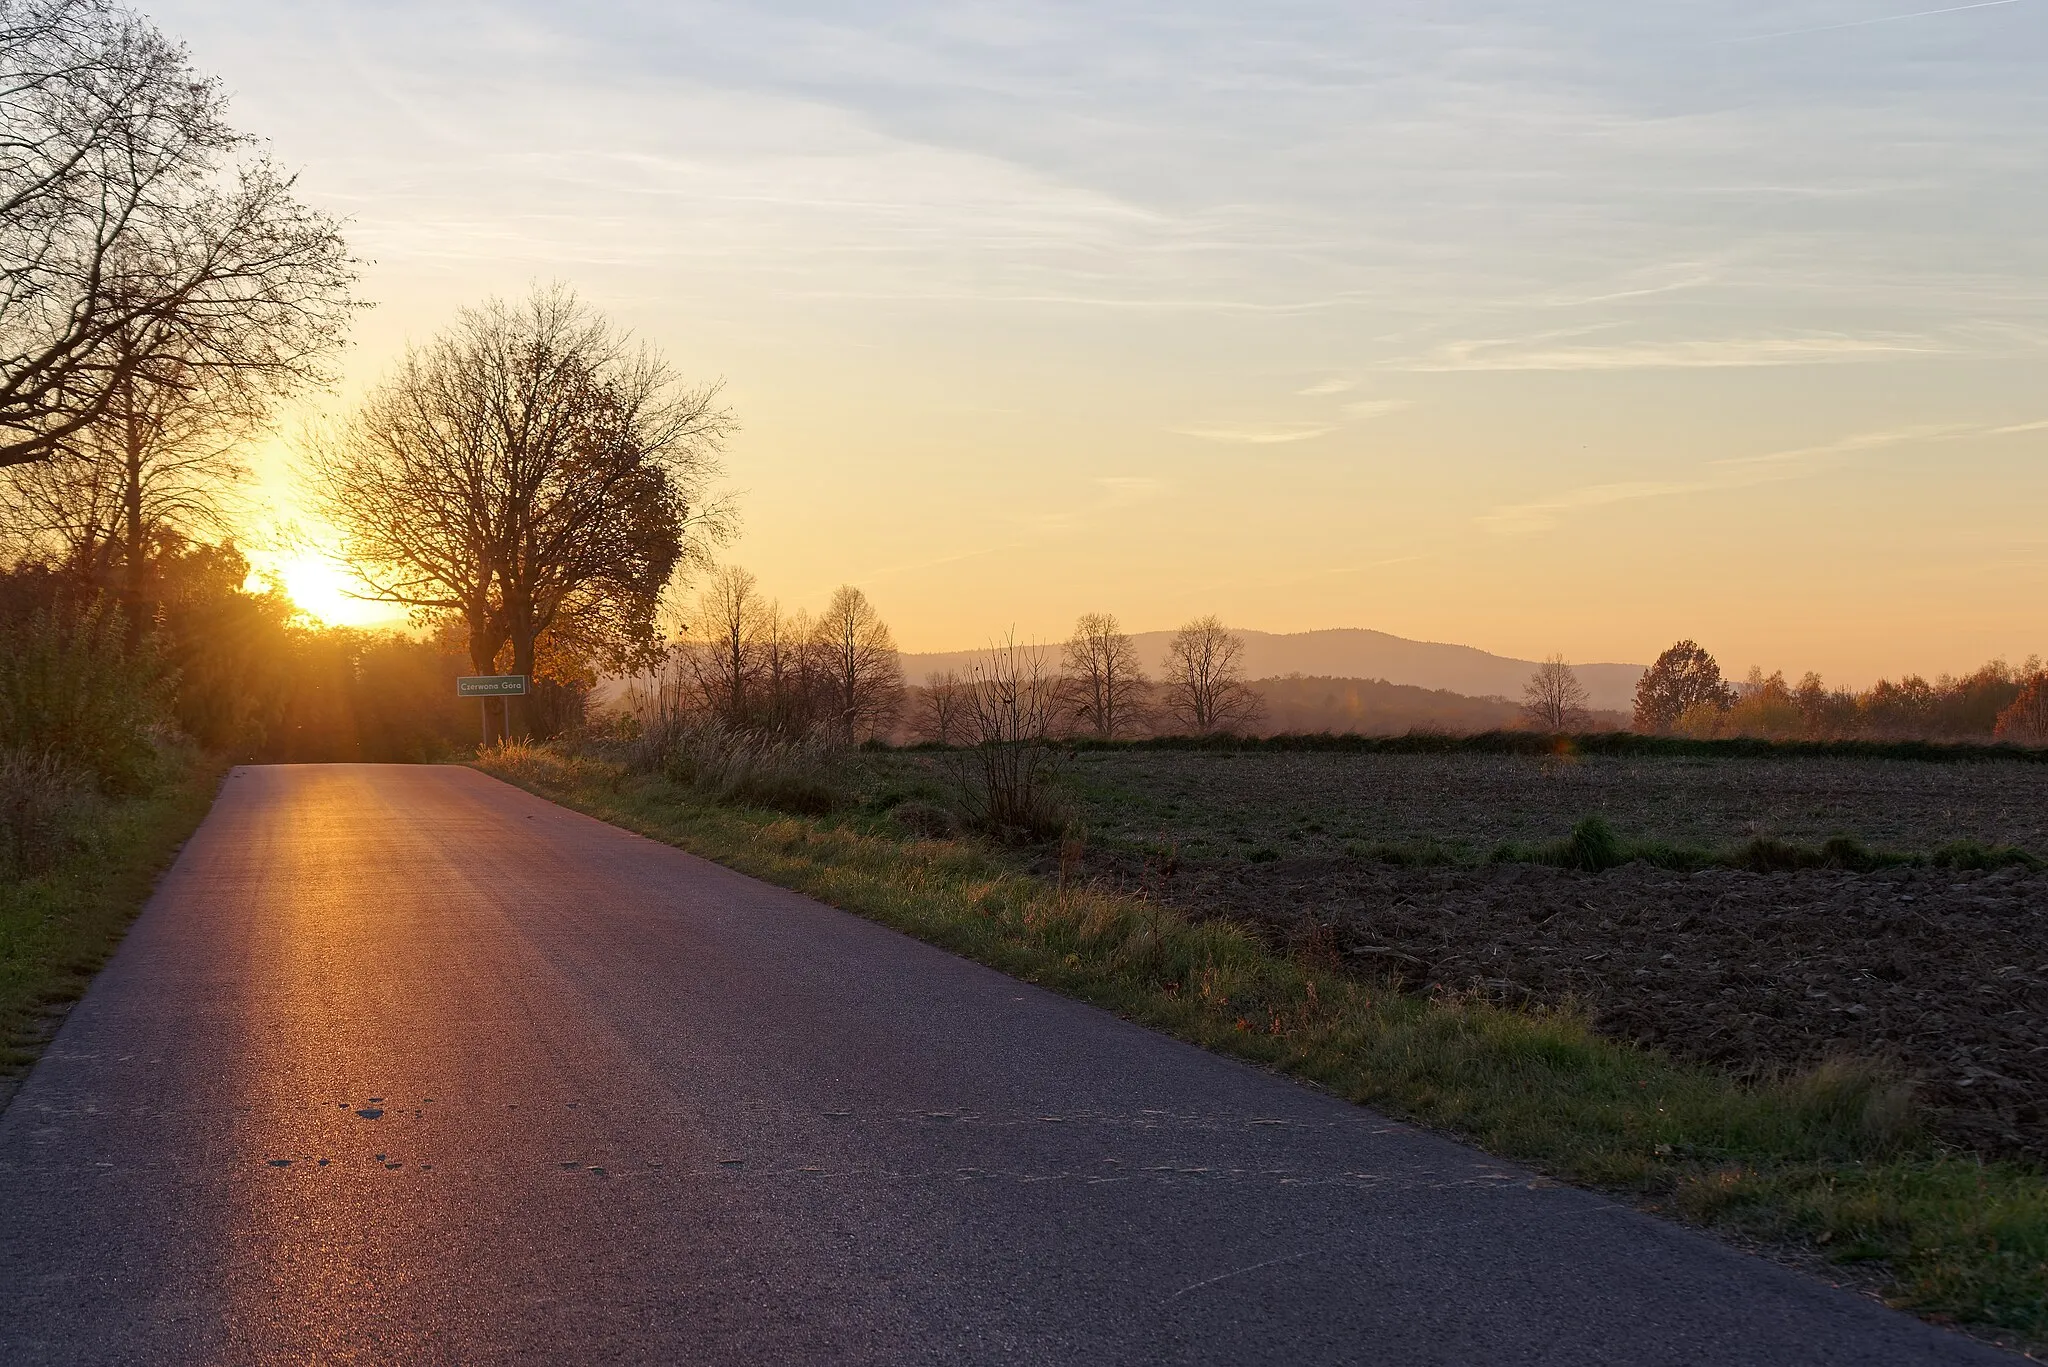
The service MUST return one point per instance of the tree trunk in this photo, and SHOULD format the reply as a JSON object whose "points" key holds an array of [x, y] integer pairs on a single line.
{"points": [[134, 590], [483, 659], [518, 710]]}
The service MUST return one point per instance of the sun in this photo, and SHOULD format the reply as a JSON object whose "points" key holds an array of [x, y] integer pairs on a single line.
{"points": [[321, 589]]}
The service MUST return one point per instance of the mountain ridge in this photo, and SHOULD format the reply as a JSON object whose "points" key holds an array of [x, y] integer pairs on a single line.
{"points": [[1357, 653]]}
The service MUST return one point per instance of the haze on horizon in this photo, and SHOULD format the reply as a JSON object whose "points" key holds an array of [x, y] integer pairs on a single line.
{"points": [[1570, 332]]}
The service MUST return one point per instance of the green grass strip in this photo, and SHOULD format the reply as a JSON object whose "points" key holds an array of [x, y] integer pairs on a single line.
{"points": [[1831, 1160], [57, 929]]}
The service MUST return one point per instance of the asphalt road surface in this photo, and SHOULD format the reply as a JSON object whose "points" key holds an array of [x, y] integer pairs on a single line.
{"points": [[404, 1065]]}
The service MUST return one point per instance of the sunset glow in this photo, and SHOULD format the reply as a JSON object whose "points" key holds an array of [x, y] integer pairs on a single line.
{"points": [[324, 591], [1579, 328]]}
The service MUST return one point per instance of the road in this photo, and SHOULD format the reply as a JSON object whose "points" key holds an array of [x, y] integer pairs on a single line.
{"points": [[405, 1065]]}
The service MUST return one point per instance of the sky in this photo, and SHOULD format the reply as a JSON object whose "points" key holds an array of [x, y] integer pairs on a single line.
{"points": [[1566, 328]]}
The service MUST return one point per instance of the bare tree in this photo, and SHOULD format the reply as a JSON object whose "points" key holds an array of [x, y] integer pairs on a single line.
{"points": [[789, 684], [1012, 703], [1204, 686], [941, 705], [529, 472], [1554, 700], [856, 666], [1104, 679], [141, 240], [724, 653]]}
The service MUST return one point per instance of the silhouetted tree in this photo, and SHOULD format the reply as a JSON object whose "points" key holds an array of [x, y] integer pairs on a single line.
{"points": [[1684, 677], [940, 707], [530, 472], [1105, 683], [145, 256], [724, 651], [855, 662], [1554, 700], [1204, 686]]}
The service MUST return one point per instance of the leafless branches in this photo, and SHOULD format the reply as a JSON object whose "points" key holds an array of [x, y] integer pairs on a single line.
{"points": [[1204, 686], [529, 472], [1012, 707], [1105, 683], [941, 704], [1554, 700], [143, 242], [856, 663]]}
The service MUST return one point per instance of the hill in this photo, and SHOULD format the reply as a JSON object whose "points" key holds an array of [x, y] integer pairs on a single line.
{"points": [[1353, 654]]}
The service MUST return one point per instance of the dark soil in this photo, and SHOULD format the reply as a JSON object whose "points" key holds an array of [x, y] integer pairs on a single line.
{"points": [[1942, 974]]}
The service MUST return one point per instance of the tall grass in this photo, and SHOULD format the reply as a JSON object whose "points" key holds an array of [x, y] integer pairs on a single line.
{"points": [[48, 810], [724, 764]]}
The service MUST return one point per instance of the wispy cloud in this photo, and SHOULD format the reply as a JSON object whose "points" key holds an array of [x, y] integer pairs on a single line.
{"points": [[1702, 353], [1333, 385], [1257, 436], [1866, 23], [1730, 472], [1543, 514]]}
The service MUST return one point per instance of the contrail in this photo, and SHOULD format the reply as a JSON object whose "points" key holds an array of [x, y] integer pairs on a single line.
{"points": [[1865, 23]]}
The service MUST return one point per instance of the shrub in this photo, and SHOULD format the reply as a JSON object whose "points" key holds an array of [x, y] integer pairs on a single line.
{"points": [[927, 820], [1592, 847], [75, 688]]}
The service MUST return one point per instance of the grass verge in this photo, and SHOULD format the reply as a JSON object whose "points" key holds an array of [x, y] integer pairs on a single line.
{"points": [[1831, 1160], [58, 927]]}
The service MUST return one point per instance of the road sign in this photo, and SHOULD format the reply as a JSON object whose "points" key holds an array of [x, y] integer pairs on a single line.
{"points": [[491, 686]]}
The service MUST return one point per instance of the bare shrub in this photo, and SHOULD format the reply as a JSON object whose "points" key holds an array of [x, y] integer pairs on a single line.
{"points": [[1007, 778]]}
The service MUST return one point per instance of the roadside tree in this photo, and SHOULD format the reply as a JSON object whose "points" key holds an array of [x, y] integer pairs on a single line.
{"points": [[528, 473], [1554, 700], [149, 259], [1204, 689], [1684, 677]]}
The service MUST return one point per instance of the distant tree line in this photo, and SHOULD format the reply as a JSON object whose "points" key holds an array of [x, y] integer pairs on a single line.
{"points": [[1683, 693], [1094, 685]]}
